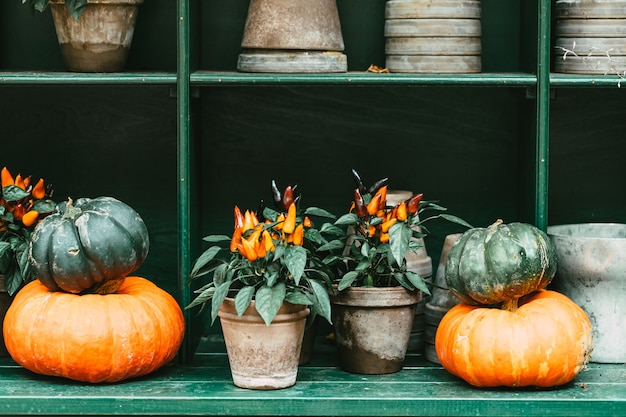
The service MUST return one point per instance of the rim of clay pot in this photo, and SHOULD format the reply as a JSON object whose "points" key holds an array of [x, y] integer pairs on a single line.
{"points": [[564, 231], [286, 313], [129, 2], [375, 296]]}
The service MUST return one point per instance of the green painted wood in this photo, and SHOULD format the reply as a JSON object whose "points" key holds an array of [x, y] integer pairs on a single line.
{"points": [[204, 387], [207, 78], [72, 78], [543, 115]]}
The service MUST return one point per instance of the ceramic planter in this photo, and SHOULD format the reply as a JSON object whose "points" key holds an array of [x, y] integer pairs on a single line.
{"points": [[592, 272], [373, 327], [594, 32], [100, 39], [263, 357]]}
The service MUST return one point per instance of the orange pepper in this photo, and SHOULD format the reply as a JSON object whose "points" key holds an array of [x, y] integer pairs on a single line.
{"points": [[290, 221], [279, 222], [384, 238], [387, 225], [267, 241], [39, 190], [402, 212], [235, 241], [249, 247], [414, 202], [374, 204], [307, 222], [249, 221], [298, 235], [19, 181], [30, 217], [238, 216], [7, 178]]}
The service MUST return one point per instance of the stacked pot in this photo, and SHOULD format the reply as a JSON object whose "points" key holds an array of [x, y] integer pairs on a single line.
{"points": [[590, 36], [433, 36]]}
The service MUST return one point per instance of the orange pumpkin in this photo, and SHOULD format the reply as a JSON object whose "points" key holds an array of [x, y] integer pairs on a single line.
{"points": [[545, 342], [91, 337]]}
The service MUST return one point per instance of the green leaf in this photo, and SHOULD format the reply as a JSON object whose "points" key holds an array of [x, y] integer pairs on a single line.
{"points": [[206, 257], [298, 297], [457, 220], [417, 281], [331, 229], [5, 256], [322, 306], [216, 238], [221, 291], [332, 246], [269, 300], [295, 261], [349, 219], [243, 299], [13, 193], [44, 206], [206, 294], [347, 280], [399, 236], [319, 212]]}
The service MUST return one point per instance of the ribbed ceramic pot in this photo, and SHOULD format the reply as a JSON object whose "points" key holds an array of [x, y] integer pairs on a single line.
{"points": [[373, 327], [100, 39], [263, 357]]}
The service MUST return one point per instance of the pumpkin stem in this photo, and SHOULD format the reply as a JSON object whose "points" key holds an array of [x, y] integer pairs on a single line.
{"points": [[71, 212], [510, 305], [105, 287], [497, 223]]}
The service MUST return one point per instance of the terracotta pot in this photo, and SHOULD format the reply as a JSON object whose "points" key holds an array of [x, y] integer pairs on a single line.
{"points": [[373, 327], [100, 39], [260, 356]]}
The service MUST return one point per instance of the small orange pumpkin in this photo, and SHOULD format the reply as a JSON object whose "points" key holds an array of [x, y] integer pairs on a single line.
{"points": [[545, 342], [91, 337]]}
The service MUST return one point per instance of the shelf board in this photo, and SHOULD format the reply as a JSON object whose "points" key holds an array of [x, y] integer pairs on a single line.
{"points": [[210, 78], [64, 78]]}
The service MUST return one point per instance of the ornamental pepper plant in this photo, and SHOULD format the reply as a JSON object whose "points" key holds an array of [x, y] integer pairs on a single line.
{"points": [[370, 250], [271, 257], [23, 203]]}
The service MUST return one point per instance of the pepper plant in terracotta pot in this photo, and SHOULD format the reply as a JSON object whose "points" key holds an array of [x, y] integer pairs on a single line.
{"points": [[270, 275], [375, 298]]}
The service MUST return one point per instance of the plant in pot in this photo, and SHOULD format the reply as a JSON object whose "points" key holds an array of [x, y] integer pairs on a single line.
{"points": [[375, 299], [264, 288], [23, 203], [94, 35]]}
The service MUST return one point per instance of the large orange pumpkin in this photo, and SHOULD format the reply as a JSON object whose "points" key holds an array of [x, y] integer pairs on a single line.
{"points": [[545, 342], [91, 337]]}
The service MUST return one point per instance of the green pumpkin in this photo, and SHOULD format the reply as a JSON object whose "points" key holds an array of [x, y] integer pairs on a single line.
{"points": [[87, 243], [500, 263]]}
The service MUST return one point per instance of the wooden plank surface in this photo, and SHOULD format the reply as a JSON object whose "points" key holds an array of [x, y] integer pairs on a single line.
{"points": [[205, 388]]}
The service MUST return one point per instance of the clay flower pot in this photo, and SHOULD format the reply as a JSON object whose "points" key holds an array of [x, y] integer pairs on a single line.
{"points": [[373, 327], [100, 39], [263, 357]]}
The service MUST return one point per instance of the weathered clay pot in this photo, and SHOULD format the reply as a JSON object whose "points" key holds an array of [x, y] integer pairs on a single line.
{"points": [[100, 39], [260, 356], [373, 327], [592, 272]]}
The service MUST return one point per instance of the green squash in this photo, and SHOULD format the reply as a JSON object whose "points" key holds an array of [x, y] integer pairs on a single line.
{"points": [[500, 263], [87, 243]]}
